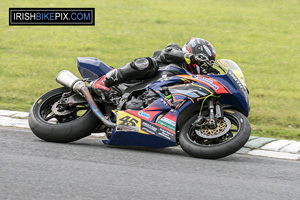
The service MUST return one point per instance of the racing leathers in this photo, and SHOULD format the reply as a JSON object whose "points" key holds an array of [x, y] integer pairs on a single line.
{"points": [[142, 68]]}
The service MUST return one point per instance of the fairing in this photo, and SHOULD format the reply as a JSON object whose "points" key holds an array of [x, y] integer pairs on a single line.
{"points": [[229, 64], [91, 68], [157, 124]]}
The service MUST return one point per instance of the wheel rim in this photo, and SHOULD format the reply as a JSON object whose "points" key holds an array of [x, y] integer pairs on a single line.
{"points": [[203, 140], [48, 116], [223, 126]]}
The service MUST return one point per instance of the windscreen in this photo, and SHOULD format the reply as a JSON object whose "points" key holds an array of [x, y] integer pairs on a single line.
{"points": [[229, 64]]}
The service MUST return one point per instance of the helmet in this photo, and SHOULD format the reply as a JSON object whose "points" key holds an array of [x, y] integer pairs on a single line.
{"points": [[198, 45]]}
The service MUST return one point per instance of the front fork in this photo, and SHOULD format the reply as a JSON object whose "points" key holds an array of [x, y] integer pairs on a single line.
{"points": [[211, 107], [215, 112]]}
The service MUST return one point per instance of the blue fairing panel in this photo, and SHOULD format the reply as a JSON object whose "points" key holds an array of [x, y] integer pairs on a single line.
{"points": [[238, 97], [138, 139], [91, 68]]}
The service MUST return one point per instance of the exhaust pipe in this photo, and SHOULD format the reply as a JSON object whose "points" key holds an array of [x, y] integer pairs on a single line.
{"points": [[69, 80]]}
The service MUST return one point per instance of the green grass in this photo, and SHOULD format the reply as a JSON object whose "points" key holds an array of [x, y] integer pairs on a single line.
{"points": [[262, 36]]}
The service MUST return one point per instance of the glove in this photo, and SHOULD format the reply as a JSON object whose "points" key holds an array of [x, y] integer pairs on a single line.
{"points": [[197, 59], [189, 58], [200, 59]]}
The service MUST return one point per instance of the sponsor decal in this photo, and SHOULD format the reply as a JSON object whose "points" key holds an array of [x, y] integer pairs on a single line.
{"points": [[239, 84], [206, 81], [157, 131], [168, 123], [149, 128], [144, 114]]}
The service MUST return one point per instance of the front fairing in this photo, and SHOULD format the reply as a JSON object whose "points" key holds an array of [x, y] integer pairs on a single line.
{"points": [[233, 77], [227, 64], [230, 83]]}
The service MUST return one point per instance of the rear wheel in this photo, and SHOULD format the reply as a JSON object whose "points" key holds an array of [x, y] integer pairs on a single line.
{"points": [[230, 135], [51, 123]]}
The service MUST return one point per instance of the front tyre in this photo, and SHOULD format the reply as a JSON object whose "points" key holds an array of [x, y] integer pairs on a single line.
{"points": [[235, 138], [76, 122]]}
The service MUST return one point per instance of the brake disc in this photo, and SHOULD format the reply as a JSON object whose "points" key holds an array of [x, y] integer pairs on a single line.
{"points": [[223, 126], [57, 111]]}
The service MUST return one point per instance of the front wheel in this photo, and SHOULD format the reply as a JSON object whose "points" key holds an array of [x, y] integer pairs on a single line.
{"points": [[230, 135], [53, 124]]}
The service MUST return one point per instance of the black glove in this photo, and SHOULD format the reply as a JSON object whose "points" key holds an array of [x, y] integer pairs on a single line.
{"points": [[199, 59]]}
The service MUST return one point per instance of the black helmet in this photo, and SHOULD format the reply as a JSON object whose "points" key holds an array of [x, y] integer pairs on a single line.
{"points": [[198, 45]]}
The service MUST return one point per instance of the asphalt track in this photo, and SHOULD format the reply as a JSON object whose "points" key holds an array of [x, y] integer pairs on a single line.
{"points": [[87, 169], [257, 146]]}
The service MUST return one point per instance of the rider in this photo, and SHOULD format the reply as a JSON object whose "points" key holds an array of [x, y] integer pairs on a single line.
{"points": [[188, 57]]}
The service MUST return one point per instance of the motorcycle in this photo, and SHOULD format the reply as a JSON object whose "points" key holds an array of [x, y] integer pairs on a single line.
{"points": [[206, 114]]}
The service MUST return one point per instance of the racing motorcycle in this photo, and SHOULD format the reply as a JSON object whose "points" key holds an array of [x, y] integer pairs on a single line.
{"points": [[205, 114]]}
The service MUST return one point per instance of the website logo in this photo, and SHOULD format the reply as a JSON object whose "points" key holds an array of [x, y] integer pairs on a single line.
{"points": [[51, 16]]}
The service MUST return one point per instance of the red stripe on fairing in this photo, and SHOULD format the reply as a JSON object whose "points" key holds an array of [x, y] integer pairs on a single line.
{"points": [[152, 114], [177, 106], [176, 94], [227, 90], [221, 88]]}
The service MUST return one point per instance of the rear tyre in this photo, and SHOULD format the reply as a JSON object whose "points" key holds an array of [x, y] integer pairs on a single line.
{"points": [[78, 122], [227, 144]]}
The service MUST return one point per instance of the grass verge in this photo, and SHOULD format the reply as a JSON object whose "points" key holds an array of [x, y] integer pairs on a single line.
{"points": [[262, 36]]}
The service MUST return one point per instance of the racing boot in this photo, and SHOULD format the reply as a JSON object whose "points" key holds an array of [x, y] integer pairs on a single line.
{"points": [[99, 86], [102, 85]]}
